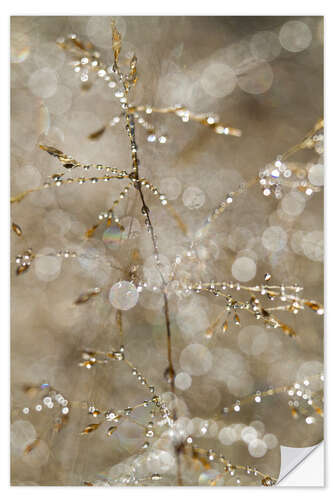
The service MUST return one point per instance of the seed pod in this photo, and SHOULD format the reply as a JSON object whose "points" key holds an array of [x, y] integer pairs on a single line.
{"points": [[17, 230], [90, 428], [111, 430], [267, 481], [84, 297], [60, 424], [91, 231], [209, 333], [78, 43], [288, 330], [315, 306], [97, 134], [31, 446], [52, 151], [22, 269]]}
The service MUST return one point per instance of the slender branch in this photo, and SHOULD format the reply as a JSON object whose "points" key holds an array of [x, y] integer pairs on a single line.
{"points": [[127, 81]]}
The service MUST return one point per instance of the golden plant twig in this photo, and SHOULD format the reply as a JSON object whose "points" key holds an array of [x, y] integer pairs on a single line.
{"points": [[49, 398], [69, 163], [295, 390], [207, 457], [128, 82], [89, 59], [209, 120], [308, 142], [283, 292], [272, 173], [58, 181], [109, 214], [291, 302]]}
